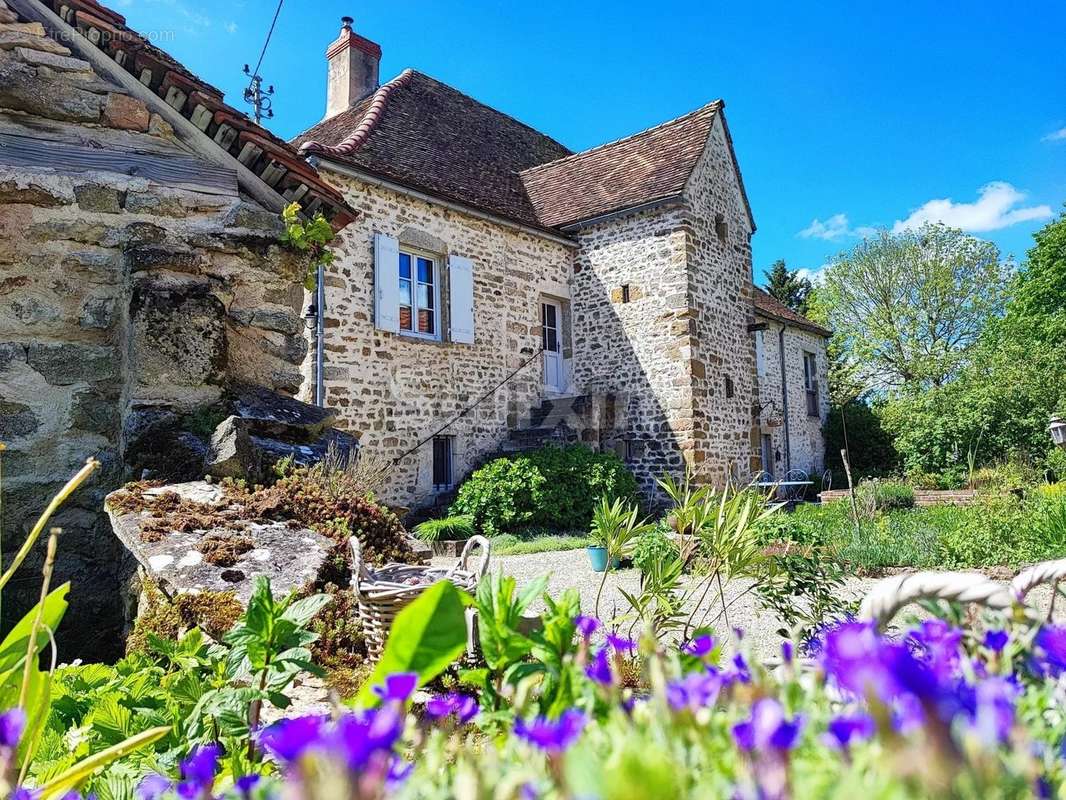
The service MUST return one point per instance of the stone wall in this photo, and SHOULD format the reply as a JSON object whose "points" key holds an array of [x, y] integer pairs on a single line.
{"points": [[632, 325], [806, 448], [124, 304], [721, 351], [394, 390]]}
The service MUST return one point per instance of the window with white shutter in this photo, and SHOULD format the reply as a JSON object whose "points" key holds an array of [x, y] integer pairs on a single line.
{"points": [[461, 285]]}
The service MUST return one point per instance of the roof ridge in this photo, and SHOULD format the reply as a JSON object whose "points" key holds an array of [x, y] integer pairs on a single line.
{"points": [[366, 125], [718, 105]]}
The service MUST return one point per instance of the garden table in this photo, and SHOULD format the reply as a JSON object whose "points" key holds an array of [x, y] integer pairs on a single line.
{"points": [[792, 491]]}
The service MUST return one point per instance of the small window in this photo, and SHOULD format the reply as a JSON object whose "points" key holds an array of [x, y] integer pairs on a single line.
{"points": [[730, 390], [625, 293], [810, 384], [442, 463], [419, 295]]}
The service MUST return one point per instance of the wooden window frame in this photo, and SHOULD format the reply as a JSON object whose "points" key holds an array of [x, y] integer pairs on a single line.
{"points": [[435, 287], [810, 384]]}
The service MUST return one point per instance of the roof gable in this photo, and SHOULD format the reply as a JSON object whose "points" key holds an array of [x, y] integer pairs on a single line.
{"points": [[424, 134]]}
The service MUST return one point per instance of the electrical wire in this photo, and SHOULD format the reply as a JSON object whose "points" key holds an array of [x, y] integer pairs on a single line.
{"points": [[270, 33]]}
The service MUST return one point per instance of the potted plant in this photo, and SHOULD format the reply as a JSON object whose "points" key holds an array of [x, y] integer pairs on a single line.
{"points": [[597, 550], [614, 531], [1057, 428]]}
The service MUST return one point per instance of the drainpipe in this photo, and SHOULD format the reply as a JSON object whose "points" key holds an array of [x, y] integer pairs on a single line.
{"points": [[784, 398], [320, 335]]}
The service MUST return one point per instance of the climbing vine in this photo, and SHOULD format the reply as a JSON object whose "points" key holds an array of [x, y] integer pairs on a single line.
{"points": [[311, 236]]}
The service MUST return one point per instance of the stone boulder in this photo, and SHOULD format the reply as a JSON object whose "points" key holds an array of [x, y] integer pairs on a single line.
{"points": [[292, 557], [274, 415]]}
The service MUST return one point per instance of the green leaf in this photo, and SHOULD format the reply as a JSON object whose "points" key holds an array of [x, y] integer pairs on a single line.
{"points": [[426, 637], [14, 646], [303, 611], [74, 777]]}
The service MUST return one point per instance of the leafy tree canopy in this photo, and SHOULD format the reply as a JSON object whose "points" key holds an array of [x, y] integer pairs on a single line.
{"points": [[787, 286], [907, 307]]}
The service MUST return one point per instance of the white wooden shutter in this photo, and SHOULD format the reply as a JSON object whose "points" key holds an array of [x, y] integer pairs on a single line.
{"points": [[386, 283], [760, 353], [461, 284]]}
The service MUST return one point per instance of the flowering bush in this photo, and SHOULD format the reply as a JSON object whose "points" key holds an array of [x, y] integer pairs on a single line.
{"points": [[936, 712]]}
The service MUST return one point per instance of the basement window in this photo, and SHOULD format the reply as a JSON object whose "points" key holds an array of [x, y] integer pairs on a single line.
{"points": [[443, 479]]}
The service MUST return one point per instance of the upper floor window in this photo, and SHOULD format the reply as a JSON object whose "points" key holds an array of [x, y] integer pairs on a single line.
{"points": [[810, 384], [419, 295], [760, 353]]}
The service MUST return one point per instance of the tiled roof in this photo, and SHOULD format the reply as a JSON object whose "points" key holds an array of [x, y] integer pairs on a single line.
{"points": [[639, 169], [271, 158], [425, 135], [769, 306]]}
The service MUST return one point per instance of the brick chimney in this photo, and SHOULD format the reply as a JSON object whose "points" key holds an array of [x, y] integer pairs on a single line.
{"points": [[352, 69]]}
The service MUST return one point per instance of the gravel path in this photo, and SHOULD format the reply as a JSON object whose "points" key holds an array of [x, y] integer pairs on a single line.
{"points": [[570, 568]]}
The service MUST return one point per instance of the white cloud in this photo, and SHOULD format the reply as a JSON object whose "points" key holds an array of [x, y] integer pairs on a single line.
{"points": [[231, 27], [836, 227], [1055, 136], [994, 209], [815, 276]]}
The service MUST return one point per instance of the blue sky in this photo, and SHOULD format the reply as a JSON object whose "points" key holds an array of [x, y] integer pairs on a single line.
{"points": [[845, 116]]}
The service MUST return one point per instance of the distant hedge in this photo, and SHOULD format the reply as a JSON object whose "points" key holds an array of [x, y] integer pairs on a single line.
{"points": [[553, 487]]}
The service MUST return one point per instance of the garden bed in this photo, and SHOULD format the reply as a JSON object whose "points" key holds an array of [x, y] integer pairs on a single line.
{"points": [[922, 497]]}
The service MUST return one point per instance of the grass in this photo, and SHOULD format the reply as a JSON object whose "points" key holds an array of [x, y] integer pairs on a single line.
{"points": [[507, 544], [998, 530]]}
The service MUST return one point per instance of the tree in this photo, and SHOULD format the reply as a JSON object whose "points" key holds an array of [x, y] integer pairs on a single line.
{"points": [[787, 286], [907, 307]]}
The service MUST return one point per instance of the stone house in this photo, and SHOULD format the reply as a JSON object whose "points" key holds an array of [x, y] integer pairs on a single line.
{"points": [[140, 272], [498, 289]]}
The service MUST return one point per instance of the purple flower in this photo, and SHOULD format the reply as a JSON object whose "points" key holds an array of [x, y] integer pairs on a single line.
{"points": [[1049, 650], [938, 642], [993, 715], [399, 771], [695, 691], [398, 687], [245, 784], [12, 724], [153, 787], [599, 669], [462, 706], [740, 671], [22, 793], [767, 729], [552, 737], [361, 737], [586, 626], [289, 738], [620, 644], [700, 647], [996, 640], [786, 652], [843, 730], [198, 772], [528, 791]]}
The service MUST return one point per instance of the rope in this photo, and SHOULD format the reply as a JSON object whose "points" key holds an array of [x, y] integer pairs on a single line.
{"points": [[891, 594]]}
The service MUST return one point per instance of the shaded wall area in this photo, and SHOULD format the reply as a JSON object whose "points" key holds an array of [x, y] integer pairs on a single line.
{"points": [[133, 286]]}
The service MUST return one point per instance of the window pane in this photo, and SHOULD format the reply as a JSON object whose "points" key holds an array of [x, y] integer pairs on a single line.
{"points": [[405, 266], [405, 292], [549, 316], [425, 296], [425, 321], [425, 270], [551, 340], [405, 318]]}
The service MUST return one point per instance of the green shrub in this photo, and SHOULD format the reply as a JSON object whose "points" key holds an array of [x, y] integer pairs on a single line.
{"points": [[886, 495], [998, 530], [653, 547], [455, 527], [554, 487]]}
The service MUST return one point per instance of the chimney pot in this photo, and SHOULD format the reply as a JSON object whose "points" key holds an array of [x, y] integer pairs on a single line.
{"points": [[352, 64]]}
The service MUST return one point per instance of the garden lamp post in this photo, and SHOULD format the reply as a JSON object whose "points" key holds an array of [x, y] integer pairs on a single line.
{"points": [[1057, 427]]}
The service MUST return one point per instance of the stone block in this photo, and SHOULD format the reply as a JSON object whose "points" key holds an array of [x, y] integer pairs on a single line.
{"points": [[67, 363], [147, 257], [22, 89], [60, 63], [99, 197], [11, 352], [16, 419], [34, 194], [98, 313], [231, 453], [96, 412], [125, 112], [156, 204], [12, 38], [272, 414], [697, 368]]}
